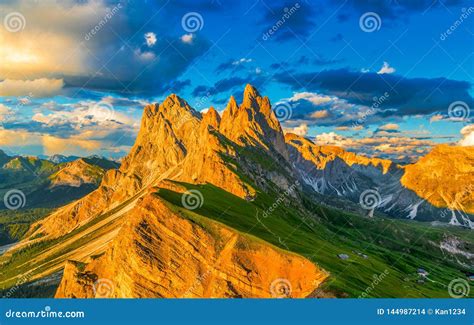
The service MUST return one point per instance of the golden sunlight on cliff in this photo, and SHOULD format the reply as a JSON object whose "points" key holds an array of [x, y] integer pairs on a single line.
{"points": [[159, 253], [444, 177]]}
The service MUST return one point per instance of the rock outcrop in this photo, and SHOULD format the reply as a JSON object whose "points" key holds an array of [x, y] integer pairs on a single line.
{"points": [[174, 142], [400, 192], [320, 156], [253, 123], [444, 177], [154, 249], [77, 173], [158, 253]]}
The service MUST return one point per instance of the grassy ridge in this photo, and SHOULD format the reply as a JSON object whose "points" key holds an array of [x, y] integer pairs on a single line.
{"points": [[14, 224], [394, 248]]}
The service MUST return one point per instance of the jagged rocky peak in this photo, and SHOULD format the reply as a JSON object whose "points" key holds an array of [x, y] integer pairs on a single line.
{"points": [[320, 156], [212, 118], [253, 122], [251, 95], [172, 108], [442, 182], [253, 100]]}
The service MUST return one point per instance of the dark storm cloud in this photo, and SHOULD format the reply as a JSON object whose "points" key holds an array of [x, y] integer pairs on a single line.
{"points": [[229, 85], [407, 96], [118, 57]]}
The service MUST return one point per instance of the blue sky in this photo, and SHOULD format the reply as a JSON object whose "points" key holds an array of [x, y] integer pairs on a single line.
{"points": [[384, 78]]}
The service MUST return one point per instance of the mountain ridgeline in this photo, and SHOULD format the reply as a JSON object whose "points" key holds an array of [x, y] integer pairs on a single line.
{"points": [[229, 206], [50, 182]]}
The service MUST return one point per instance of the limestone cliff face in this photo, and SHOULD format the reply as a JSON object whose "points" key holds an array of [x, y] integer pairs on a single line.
{"points": [[77, 173], [253, 123], [212, 118], [444, 177], [332, 170], [401, 192], [320, 156], [176, 142], [158, 253]]}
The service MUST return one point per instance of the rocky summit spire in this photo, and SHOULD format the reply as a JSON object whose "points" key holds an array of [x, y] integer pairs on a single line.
{"points": [[212, 118], [229, 115], [232, 106], [253, 122], [251, 95]]}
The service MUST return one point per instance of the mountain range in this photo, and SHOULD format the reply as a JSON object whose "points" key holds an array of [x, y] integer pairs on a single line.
{"points": [[210, 205]]}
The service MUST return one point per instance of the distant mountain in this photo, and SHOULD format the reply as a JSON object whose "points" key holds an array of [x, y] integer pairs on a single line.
{"points": [[445, 178], [210, 206], [29, 165], [3, 157], [332, 171], [58, 159], [47, 184], [102, 162], [77, 173]]}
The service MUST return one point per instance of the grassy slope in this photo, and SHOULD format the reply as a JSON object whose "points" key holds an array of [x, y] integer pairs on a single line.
{"points": [[392, 246], [17, 265], [14, 224], [333, 233]]}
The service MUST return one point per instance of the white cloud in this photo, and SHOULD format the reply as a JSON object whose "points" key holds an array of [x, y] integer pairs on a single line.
{"points": [[51, 144], [258, 70], [187, 38], [242, 60], [332, 139], [145, 56], [300, 130], [389, 126], [314, 98], [150, 39], [48, 45], [5, 111], [468, 136], [386, 68], [320, 114], [436, 118], [379, 146], [54, 145], [42, 87]]}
